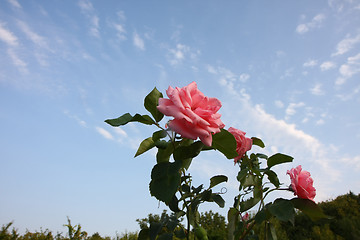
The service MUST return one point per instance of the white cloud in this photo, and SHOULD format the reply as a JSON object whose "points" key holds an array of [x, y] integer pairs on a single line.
{"points": [[18, 62], [120, 31], [104, 133], [14, 3], [346, 44], [88, 10], [211, 69], [138, 42], [33, 36], [7, 36], [327, 65], [316, 90], [354, 162], [76, 118], [180, 52], [348, 69], [310, 63], [291, 109], [238, 111], [120, 132], [320, 122], [121, 15], [314, 23], [244, 77], [302, 28], [279, 104]]}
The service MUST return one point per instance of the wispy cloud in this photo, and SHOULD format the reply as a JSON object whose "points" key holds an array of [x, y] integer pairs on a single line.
{"points": [[14, 3], [227, 77], [88, 10], [314, 23], [7, 36], [33, 36], [350, 68], [317, 90], [310, 63], [138, 41], [283, 137], [327, 65], [119, 26], [291, 109], [104, 133], [20, 64], [346, 44], [178, 54]]}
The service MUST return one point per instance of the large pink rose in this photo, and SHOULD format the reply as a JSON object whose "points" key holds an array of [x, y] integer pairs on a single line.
{"points": [[243, 144], [195, 116], [301, 183]]}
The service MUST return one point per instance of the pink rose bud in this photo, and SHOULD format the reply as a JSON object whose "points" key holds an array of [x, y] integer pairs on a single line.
{"points": [[245, 218], [301, 183], [195, 115], [243, 144]]}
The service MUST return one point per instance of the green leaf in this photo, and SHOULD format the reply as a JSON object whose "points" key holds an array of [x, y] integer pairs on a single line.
{"points": [[162, 144], [150, 103], [144, 234], [163, 155], [218, 199], [185, 152], [179, 233], [165, 180], [145, 145], [158, 135], [225, 142], [126, 118], [232, 218], [217, 180], [249, 203], [261, 216], [278, 158], [242, 174], [154, 229], [258, 142], [166, 236], [272, 176], [310, 208], [272, 232], [282, 209]]}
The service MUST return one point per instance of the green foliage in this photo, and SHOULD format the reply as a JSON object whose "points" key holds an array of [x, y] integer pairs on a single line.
{"points": [[74, 232]]}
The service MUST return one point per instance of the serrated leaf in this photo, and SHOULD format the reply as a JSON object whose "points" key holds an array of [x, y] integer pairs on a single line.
{"points": [[215, 180], [150, 103], [145, 145], [278, 158], [258, 142], [165, 180], [225, 142], [310, 208], [126, 118], [282, 209]]}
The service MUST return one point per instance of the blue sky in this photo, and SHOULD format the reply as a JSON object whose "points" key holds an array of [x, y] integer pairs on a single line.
{"points": [[285, 71]]}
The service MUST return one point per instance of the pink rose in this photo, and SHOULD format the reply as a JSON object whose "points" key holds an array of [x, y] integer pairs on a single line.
{"points": [[243, 144], [301, 183], [195, 116]]}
